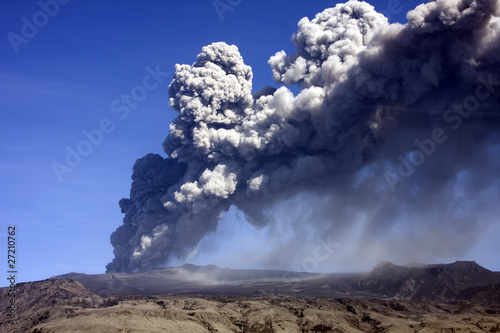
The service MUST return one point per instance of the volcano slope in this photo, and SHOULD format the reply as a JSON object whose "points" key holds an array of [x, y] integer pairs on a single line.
{"points": [[459, 297]]}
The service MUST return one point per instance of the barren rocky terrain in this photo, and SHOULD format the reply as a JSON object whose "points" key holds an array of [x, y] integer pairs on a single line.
{"points": [[460, 297]]}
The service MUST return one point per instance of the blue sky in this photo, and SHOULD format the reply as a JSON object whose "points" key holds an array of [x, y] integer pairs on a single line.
{"points": [[63, 80]]}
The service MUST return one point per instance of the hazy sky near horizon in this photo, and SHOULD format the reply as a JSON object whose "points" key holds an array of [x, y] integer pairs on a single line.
{"points": [[71, 75]]}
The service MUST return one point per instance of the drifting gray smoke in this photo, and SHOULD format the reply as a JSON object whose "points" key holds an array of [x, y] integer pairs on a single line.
{"points": [[396, 127]]}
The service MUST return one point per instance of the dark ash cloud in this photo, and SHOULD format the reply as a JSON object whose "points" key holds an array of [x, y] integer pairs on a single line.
{"points": [[370, 91]]}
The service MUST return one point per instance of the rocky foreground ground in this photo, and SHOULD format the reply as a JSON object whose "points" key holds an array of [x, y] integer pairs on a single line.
{"points": [[396, 300], [66, 306]]}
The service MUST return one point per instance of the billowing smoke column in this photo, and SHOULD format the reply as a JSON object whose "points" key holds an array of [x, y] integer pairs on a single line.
{"points": [[396, 129]]}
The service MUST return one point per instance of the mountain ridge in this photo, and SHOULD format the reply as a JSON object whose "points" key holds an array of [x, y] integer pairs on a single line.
{"points": [[456, 281]]}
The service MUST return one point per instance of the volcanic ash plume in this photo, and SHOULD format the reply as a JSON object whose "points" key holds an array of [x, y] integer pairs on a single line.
{"points": [[395, 133]]}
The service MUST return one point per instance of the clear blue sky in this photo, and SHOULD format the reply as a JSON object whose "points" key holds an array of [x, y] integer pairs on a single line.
{"points": [[63, 79]]}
